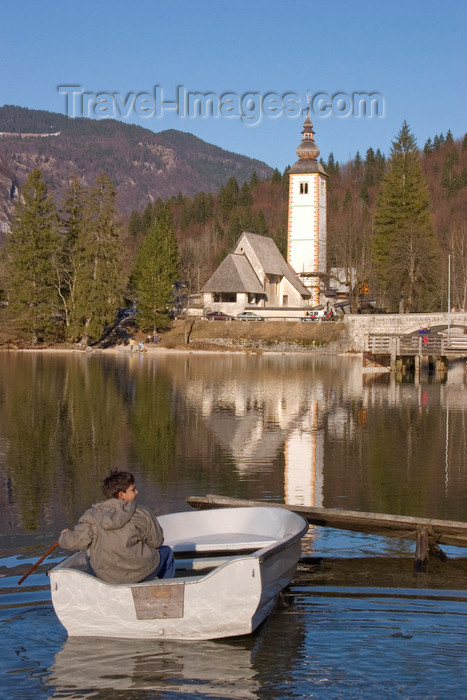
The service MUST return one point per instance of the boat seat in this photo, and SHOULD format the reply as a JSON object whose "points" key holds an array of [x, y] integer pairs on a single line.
{"points": [[223, 541]]}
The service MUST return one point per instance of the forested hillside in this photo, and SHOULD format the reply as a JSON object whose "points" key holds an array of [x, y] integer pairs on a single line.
{"points": [[142, 165]]}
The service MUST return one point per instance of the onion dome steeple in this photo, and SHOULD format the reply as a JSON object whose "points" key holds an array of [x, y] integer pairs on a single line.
{"points": [[308, 147], [307, 151]]}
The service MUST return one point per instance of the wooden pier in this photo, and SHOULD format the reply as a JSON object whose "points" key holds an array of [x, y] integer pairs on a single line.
{"points": [[410, 351], [428, 533]]}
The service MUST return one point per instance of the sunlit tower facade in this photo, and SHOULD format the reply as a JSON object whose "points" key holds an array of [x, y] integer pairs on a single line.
{"points": [[306, 229]]}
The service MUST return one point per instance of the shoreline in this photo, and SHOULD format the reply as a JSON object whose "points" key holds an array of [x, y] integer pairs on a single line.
{"points": [[161, 350]]}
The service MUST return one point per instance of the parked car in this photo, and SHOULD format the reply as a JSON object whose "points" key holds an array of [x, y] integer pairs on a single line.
{"points": [[249, 316], [314, 315], [217, 316]]}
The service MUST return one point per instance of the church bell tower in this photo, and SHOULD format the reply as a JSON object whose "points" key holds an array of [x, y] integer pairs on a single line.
{"points": [[306, 229]]}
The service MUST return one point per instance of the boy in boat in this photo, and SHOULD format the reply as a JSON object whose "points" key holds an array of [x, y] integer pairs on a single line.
{"points": [[124, 540]]}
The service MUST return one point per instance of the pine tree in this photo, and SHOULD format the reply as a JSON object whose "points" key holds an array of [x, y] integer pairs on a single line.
{"points": [[428, 148], [135, 226], [364, 193], [99, 276], [380, 165], [202, 207], [450, 179], [276, 176], [332, 166], [347, 199], [245, 198], [234, 229], [146, 218], [32, 250], [405, 250], [357, 166], [155, 271], [261, 225], [254, 180], [228, 195], [73, 219]]}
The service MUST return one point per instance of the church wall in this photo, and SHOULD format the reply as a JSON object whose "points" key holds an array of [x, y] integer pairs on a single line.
{"points": [[302, 236], [233, 308], [306, 236], [294, 298], [322, 229]]}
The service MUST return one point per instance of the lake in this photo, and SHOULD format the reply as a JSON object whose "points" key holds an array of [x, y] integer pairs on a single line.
{"points": [[305, 429]]}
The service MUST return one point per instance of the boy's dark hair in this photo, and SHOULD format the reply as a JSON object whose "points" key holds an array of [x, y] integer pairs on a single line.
{"points": [[115, 482]]}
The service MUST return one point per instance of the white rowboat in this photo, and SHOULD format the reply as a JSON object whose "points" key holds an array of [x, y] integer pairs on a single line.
{"points": [[231, 564]]}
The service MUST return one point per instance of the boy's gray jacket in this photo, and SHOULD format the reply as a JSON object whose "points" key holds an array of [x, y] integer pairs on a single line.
{"points": [[123, 540]]}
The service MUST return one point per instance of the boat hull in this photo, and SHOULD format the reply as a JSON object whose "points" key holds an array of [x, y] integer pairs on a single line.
{"points": [[231, 599]]}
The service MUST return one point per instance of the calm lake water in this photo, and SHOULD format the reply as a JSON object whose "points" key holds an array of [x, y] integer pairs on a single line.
{"points": [[307, 430]]}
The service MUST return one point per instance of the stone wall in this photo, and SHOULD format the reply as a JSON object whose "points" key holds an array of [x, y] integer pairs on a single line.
{"points": [[357, 326]]}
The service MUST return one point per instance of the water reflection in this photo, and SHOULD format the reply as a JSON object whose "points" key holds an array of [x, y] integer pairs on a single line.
{"points": [[209, 669], [308, 430], [236, 668]]}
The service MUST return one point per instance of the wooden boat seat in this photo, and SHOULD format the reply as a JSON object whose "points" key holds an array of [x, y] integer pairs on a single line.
{"points": [[223, 541]]}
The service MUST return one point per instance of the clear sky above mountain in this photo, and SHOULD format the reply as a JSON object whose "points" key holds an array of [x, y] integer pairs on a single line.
{"points": [[257, 59]]}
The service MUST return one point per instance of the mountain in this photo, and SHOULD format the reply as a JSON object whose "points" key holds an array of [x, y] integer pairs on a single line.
{"points": [[143, 165]]}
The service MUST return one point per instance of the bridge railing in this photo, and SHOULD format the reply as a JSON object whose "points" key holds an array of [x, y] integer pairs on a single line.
{"points": [[387, 344]]}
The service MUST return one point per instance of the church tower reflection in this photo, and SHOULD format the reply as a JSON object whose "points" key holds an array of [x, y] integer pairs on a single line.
{"points": [[304, 461]]}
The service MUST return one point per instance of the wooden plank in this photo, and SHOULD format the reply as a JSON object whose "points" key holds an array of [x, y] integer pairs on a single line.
{"points": [[445, 532], [157, 602]]}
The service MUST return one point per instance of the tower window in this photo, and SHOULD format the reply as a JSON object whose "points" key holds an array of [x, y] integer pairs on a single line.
{"points": [[304, 188]]}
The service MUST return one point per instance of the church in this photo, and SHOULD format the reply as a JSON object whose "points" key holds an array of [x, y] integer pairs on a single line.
{"points": [[255, 275]]}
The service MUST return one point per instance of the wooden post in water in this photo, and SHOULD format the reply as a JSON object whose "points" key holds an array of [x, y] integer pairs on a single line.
{"points": [[393, 354], [421, 551]]}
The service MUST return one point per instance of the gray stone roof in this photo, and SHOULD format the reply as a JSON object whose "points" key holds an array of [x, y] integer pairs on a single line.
{"points": [[234, 274], [265, 250], [270, 259], [307, 165]]}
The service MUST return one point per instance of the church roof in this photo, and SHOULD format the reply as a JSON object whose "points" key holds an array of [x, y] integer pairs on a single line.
{"points": [[265, 250], [306, 166], [269, 257], [234, 274], [307, 151]]}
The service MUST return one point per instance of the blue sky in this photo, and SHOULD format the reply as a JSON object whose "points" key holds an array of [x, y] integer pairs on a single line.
{"points": [[411, 54]]}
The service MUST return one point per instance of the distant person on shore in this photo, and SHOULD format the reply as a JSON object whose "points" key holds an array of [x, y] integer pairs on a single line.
{"points": [[124, 540]]}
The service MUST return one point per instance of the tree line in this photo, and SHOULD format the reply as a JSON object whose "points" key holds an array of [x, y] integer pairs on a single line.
{"points": [[397, 223], [63, 269]]}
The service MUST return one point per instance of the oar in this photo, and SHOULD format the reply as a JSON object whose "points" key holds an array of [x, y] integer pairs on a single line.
{"points": [[37, 563]]}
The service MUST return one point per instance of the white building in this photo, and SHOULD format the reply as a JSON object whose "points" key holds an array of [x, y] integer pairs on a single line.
{"points": [[306, 231], [254, 276]]}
